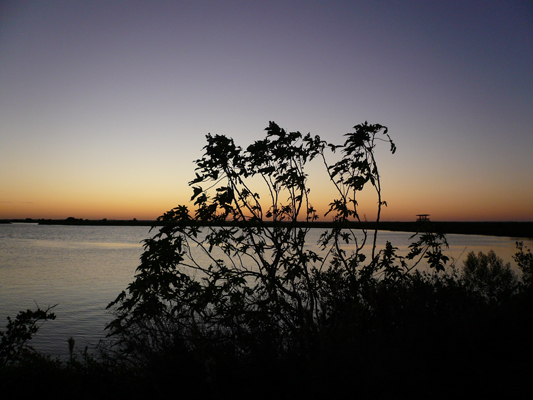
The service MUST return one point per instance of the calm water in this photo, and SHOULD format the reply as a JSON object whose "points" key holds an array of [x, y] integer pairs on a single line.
{"points": [[83, 268]]}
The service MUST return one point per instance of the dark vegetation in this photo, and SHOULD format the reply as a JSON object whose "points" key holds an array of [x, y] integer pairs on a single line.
{"points": [[229, 302]]}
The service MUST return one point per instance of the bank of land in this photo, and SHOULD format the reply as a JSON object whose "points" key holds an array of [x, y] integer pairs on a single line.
{"points": [[511, 229]]}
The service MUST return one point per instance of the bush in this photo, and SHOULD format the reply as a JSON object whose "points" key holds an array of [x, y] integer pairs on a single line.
{"points": [[524, 259], [232, 288], [14, 343], [487, 276]]}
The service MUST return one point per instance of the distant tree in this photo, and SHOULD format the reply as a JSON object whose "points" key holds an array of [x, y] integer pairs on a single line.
{"points": [[488, 276], [524, 259]]}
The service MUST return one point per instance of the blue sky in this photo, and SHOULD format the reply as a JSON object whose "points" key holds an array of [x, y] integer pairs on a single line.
{"points": [[104, 105]]}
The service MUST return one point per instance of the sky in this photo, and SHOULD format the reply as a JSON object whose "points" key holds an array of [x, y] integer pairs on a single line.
{"points": [[104, 105]]}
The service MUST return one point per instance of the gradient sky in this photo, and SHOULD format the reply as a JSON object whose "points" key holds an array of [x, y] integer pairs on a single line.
{"points": [[104, 105]]}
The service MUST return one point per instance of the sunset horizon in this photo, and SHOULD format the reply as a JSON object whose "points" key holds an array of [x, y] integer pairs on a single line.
{"points": [[105, 106]]}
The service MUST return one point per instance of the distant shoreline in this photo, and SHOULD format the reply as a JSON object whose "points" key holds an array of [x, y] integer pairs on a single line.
{"points": [[510, 229]]}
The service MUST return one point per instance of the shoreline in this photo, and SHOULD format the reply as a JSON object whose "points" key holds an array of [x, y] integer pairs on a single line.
{"points": [[510, 229]]}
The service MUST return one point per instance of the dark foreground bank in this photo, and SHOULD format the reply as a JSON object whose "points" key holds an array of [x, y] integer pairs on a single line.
{"points": [[430, 339]]}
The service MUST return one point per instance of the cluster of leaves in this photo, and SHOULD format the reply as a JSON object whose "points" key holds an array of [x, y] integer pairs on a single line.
{"points": [[487, 276], [14, 343], [524, 259]]}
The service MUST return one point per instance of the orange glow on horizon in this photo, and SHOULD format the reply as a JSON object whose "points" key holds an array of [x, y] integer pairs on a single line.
{"points": [[148, 200], [405, 212]]}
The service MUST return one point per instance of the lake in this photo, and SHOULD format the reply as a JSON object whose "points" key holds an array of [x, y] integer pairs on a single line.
{"points": [[83, 268]]}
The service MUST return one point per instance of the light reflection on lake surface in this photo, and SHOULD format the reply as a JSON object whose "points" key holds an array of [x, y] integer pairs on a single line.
{"points": [[83, 268]]}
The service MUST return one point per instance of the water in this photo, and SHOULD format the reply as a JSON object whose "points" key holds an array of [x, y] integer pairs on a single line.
{"points": [[79, 268], [83, 268]]}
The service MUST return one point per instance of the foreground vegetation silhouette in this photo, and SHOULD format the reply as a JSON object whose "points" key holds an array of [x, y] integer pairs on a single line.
{"points": [[230, 302]]}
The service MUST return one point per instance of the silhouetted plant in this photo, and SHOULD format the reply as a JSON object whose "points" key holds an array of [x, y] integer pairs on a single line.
{"points": [[14, 344], [524, 259], [487, 276], [233, 281]]}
